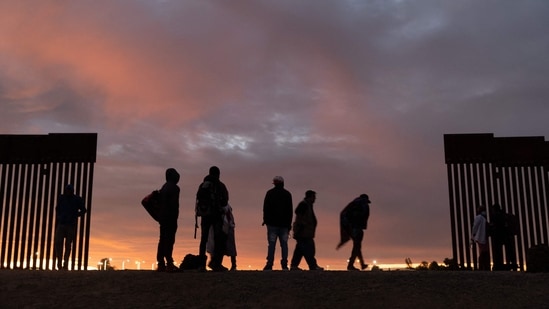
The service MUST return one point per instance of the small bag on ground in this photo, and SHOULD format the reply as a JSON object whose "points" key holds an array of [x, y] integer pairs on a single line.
{"points": [[191, 261]]}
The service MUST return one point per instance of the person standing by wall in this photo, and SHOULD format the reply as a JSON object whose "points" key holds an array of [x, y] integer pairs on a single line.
{"points": [[499, 234], [479, 235], [304, 228], [277, 215], [353, 221], [69, 207], [169, 201], [503, 230]]}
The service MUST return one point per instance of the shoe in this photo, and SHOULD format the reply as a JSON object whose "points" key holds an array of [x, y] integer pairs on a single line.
{"points": [[233, 268], [220, 268], [161, 268], [171, 268], [285, 267], [295, 268], [318, 268], [352, 268], [363, 266], [268, 267]]}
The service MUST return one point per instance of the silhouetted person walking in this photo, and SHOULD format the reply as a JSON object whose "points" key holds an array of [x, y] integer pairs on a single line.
{"points": [[169, 201], [353, 220], [277, 215], [69, 207], [211, 197], [480, 237], [304, 233]]}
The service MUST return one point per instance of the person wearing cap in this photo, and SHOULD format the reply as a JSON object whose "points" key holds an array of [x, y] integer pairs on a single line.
{"points": [[69, 207], [353, 221], [304, 233], [277, 215]]}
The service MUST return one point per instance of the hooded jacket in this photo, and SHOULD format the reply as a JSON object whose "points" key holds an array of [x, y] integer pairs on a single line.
{"points": [[305, 220], [479, 229], [69, 208], [169, 197]]}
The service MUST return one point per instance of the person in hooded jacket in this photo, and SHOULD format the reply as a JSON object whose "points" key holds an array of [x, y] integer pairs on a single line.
{"points": [[169, 199], [69, 208]]}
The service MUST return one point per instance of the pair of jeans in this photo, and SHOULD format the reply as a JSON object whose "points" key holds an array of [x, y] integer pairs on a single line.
{"points": [[305, 247], [164, 251], [484, 256], [280, 233], [220, 238], [64, 239], [357, 235]]}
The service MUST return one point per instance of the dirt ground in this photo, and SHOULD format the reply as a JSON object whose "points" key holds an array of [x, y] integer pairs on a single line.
{"points": [[276, 289]]}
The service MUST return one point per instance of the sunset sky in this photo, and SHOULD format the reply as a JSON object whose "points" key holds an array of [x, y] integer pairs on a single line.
{"points": [[342, 97]]}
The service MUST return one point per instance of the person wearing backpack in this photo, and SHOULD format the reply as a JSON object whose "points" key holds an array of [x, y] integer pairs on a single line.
{"points": [[211, 199], [169, 205]]}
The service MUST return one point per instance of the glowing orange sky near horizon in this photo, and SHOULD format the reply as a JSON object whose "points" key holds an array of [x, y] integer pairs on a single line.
{"points": [[250, 238]]}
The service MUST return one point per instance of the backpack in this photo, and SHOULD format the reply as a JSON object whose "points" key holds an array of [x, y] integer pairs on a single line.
{"points": [[192, 262], [206, 199], [151, 203]]}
